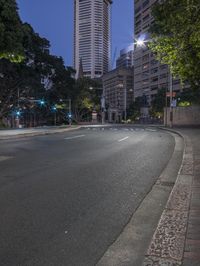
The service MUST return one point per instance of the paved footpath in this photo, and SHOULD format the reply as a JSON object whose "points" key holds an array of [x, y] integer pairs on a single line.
{"points": [[176, 240]]}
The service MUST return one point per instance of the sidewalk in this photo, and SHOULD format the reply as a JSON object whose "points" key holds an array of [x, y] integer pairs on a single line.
{"points": [[13, 133], [176, 240]]}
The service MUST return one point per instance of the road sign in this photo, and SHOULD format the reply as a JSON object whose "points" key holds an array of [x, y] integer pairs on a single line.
{"points": [[171, 94]]}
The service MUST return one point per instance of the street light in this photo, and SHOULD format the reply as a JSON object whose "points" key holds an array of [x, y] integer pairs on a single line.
{"points": [[54, 109], [141, 42], [69, 115], [171, 95]]}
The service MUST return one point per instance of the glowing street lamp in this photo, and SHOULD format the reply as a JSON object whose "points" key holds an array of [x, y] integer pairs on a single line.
{"points": [[140, 42]]}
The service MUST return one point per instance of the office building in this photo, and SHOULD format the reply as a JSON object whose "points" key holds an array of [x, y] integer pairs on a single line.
{"points": [[126, 57], [149, 75], [92, 36], [118, 93]]}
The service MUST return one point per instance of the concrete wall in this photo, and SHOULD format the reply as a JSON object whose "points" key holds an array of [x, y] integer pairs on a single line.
{"points": [[183, 116]]}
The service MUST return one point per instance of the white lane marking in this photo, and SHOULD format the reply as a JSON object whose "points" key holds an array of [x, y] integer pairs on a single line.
{"points": [[123, 139], [75, 137], [152, 130], [3, 158]]}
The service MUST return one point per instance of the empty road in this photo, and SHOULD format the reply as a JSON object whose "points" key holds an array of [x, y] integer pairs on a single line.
{"points": [[65, 198]]}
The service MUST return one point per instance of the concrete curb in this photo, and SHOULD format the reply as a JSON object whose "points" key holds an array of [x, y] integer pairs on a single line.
{"points": [[130, 247], [44, 132], [168, 242]]}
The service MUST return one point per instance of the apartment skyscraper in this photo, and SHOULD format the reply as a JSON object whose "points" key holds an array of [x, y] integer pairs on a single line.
{"points": [[92, 37], [149, 75]]}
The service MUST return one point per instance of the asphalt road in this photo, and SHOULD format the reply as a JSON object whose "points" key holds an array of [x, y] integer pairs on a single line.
{"points": [[65, 198]]}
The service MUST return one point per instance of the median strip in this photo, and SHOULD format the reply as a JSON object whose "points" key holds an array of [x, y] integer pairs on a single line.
{"points": [[75, 137]]}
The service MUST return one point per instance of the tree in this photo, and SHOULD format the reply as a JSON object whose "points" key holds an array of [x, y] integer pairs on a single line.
{"points": [[133, 112], [11, 32], [175, 36], [158, 103], [188, 97], [23, 80], [85, 98]]}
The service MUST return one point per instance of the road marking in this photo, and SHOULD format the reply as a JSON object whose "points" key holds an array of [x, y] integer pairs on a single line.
{"points": [[75, 137], [123, 139], [152, 130], [3, 158]]}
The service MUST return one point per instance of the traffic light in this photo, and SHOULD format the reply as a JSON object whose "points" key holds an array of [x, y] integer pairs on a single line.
{"points": [[54, 109], [42, 102], [18, 113]]}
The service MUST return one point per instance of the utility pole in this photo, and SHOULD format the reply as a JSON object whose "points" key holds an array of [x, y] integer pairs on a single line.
{"points": [[125, 103], [70, 112], [17, 114], [103, 108], [171, 107]]}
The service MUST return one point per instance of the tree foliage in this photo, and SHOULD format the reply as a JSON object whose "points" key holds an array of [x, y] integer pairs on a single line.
{"points": [[85, 97], [159, 101], [11, 32], [25, 61], [176, 38]]}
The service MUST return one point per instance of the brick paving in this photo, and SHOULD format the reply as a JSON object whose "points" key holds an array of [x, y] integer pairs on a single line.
{"points": [[192, 244], [176, 240]]}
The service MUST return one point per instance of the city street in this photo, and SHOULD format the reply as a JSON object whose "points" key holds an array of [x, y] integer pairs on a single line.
{"points": [[65, 198]]}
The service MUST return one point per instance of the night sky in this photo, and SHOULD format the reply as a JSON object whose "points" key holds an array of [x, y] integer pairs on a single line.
{"points": [[54, 20]]}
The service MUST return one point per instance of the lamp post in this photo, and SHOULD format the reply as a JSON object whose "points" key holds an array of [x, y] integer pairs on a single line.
{"points": [[171, 95], [69, 109], [54, 109]]}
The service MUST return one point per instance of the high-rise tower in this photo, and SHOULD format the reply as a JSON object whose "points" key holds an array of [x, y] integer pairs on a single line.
{"points": [[149, 74], [92, 44]]}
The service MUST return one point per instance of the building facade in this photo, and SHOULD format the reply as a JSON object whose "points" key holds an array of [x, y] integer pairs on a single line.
{"points": [[149, 75], [92, 36], [126, 57], [118, 93]]}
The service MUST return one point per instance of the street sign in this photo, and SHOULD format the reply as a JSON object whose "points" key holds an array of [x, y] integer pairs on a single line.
{"points": [[174, 103], [171, 94]]}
